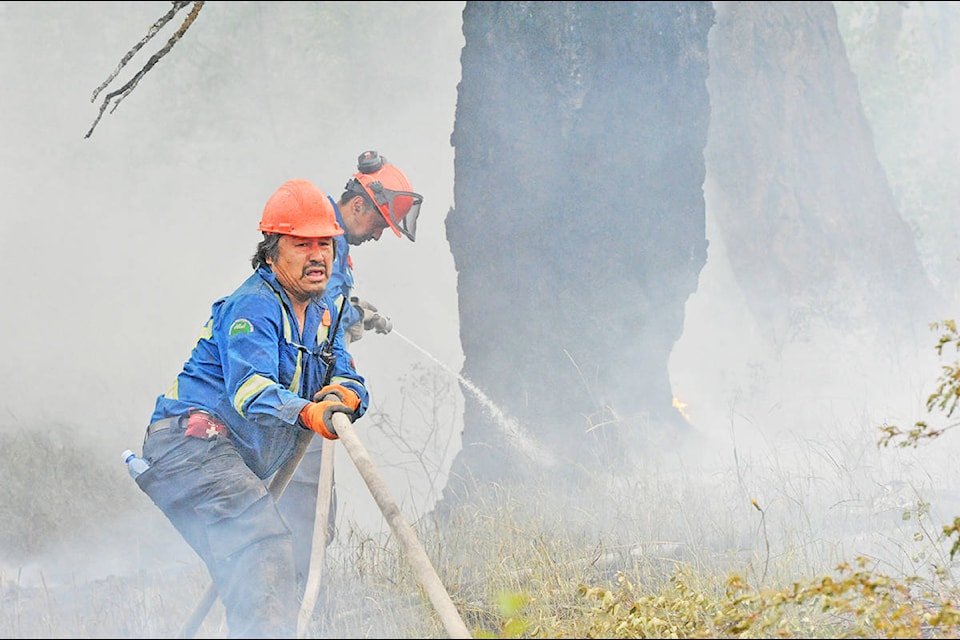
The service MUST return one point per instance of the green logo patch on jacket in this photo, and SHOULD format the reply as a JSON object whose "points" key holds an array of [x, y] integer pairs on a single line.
{"points": [[240, 326]]}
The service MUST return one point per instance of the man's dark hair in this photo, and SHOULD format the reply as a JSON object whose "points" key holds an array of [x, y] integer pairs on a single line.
{"points": [[269, 247], [356, 190]]}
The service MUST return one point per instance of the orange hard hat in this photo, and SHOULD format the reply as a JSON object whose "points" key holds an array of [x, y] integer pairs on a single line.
{"points": [[389, 190], [299, 208]]}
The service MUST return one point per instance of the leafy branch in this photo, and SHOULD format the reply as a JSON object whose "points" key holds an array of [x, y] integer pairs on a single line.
{"points": [[117, 96], [944, 398]]}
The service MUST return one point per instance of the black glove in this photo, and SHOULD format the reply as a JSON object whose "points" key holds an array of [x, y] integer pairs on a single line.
{"points": [[370, 317]]}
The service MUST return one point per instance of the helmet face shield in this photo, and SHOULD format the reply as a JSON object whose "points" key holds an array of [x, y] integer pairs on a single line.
{"points": [[399, 205], [400, 208]]}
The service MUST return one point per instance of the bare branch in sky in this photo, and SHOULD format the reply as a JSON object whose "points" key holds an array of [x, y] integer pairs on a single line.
{"points": [[128, 88]]}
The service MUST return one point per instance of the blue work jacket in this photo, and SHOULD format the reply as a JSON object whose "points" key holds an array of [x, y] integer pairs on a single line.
{"points": [[250, 370], [341, 280]]}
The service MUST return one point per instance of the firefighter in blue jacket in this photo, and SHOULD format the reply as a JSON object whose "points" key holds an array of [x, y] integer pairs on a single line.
{"points": [[260, 372], [376, 198]]}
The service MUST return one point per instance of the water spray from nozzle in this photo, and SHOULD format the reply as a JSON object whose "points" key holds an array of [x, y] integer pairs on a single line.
{"points": [[510, 426]]}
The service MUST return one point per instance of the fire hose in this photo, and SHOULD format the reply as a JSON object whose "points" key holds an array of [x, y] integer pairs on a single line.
{"points": [[416, 556], [318, 548]]}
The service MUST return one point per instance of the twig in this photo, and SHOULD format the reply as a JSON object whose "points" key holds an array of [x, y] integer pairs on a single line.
{"points": [[766, 540], [128, 88]]}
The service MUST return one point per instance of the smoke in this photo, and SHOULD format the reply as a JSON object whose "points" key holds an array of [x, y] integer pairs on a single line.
{"points": [[794, 424], [118, 244]]}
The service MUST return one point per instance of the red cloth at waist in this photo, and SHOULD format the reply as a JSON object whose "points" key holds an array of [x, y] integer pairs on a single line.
{"points": [[202, 425]]}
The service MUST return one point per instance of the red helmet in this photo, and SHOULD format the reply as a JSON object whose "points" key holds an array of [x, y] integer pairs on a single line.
{"points": [[388, 189], [299, 208]]}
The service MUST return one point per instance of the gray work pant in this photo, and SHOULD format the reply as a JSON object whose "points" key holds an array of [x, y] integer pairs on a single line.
{"points": [[224, 511]]}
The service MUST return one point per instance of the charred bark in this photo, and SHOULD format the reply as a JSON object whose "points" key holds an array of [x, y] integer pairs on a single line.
{"points": [[799, 195], [579, 227]]}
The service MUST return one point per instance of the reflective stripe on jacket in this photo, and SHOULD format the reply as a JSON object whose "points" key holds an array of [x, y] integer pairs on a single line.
{"points": [[249, 369]]}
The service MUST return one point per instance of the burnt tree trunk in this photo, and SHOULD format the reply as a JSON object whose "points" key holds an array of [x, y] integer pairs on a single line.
{"points": [[799, 196], [579, 227]]}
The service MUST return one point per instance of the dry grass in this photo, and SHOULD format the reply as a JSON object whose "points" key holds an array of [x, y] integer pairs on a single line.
{"points": [[834, 538]]}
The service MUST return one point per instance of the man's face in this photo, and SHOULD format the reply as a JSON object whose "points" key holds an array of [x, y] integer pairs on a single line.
{"points": [[303, 266], [361, 222]]}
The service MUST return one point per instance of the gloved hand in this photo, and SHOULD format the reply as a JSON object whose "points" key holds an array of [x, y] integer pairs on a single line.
{"points": [[370, 317], [354, 332], [318, 415], [346, 395]]}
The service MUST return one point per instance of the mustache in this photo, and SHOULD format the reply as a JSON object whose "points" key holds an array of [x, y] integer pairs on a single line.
{"points": [[314, 265]]}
